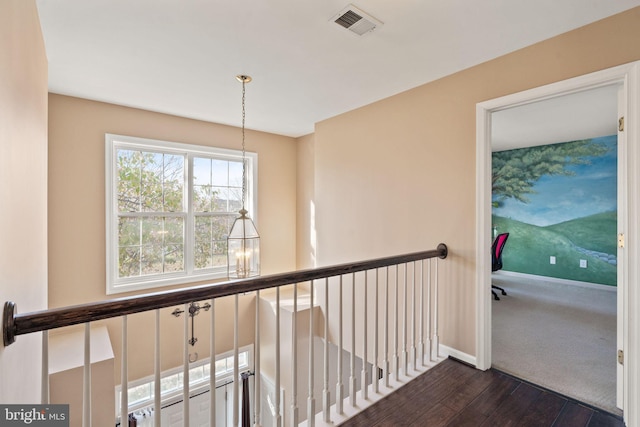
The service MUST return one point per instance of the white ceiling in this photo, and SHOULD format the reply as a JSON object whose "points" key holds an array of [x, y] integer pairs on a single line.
{"points": [[587, 114], [181, 56]]}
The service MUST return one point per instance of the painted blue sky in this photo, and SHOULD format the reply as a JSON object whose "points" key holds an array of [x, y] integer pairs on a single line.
{"points": [[561, 198]]}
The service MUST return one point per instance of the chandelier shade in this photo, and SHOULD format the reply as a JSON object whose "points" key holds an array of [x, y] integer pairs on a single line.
{"points": [[244, 248]]}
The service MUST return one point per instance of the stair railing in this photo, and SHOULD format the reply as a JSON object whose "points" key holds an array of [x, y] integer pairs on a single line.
{"points": [[414, 346]]}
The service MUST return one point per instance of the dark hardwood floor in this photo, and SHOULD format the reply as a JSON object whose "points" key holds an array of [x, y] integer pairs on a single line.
{"points": [[454, 394]]}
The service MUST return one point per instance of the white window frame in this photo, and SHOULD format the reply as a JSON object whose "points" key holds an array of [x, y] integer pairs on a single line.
{"points": [[114, 142], [195, 386]]}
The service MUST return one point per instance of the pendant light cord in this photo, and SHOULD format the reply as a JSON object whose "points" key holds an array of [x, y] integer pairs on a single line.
{"points": [[244, 172]]}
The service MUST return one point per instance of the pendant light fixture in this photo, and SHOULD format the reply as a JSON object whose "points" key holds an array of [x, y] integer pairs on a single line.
{"points": [[243, 243]]}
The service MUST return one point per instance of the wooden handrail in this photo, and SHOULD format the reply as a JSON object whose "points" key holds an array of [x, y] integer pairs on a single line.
{"points": [[14, 324]]}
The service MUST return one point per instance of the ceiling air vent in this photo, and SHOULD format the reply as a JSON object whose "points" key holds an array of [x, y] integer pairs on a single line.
{"points": [[356, 21]]}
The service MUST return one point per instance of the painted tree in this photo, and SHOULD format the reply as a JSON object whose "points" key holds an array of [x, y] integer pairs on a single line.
{"points": [[515, 172]]}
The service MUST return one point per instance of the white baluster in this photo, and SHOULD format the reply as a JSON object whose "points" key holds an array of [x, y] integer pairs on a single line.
{"points": [[157, 402], [256, 383], [421, 331], [278, 416], [44, 399], [396, 358], [294, 358], [352, 360], [326, 395], [86, 385], [185, 369], [311, 404], [212, 365], [436, 339], [363, 379], [413, 319], [385, 362], [339, 387], [429, 345], [376, 366], [236, 369], [124, 380], [405, 355]]}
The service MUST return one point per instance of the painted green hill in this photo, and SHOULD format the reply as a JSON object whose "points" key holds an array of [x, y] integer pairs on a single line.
{"points": [[597, 232], [529, 248]]}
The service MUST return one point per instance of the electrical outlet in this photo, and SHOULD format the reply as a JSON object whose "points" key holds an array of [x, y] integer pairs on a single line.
{"points": [[552, 259], [583, 263]]}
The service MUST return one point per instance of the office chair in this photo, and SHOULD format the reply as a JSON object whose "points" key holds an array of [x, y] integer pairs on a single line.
{"points": [[496, 260]]}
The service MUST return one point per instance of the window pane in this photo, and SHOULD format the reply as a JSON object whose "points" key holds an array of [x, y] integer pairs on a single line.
{"points": [[173, 185], [152, 231], [235, 199], [202, 255], [220, 226], [128, 247], [221, 366], [170, 383], [202, 247], [173, 258], [129, 261], [151, 259], [161, 245], [235, 174], [172, 244], [220, 172], [201, 171], [235, 186], [128, 180], [202, 198], [210, 249], [220, 199], [201, 184], [140, 393], [196, 374], [243, 361], [151, 182], [173, 230]]}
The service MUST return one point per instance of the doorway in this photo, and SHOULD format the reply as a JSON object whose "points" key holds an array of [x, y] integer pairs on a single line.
{"points": [[554, 169], [627, 76]]}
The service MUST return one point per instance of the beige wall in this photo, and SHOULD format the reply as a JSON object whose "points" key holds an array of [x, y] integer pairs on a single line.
{"points": [[77, 130], [399, 175], [305, 233], [23, 190]]}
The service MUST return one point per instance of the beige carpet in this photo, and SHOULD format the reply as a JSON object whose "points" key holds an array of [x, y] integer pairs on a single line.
{"points": [[559, 336]]}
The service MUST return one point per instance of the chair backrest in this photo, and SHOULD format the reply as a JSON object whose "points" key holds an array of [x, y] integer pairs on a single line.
{"points": [[496, 251]]}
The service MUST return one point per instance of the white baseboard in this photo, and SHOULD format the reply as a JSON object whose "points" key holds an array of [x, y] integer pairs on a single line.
{"points": [[446, 351], [556, 280]]}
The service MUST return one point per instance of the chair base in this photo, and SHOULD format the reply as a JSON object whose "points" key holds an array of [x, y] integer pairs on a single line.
{"points": [[495, 295]]}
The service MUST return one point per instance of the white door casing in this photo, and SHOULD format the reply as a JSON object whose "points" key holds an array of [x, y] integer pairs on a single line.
{"points": [[622, 279], [628, 77]]}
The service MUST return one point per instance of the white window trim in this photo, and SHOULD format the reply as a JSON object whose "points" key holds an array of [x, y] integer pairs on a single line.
{"points": [[195, 387], [112, 143]]}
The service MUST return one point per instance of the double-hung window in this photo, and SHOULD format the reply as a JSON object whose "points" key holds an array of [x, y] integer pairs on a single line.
{"points": [[169, 210]]}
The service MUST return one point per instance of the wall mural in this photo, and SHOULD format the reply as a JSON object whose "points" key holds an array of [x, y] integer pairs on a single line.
{"points": [[559, 204]]}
